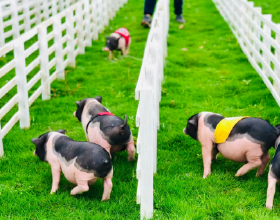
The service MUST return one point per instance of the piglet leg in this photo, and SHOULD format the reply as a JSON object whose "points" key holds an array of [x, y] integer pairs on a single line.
{"points": [[107, 183], [56, 178], [110, 55], [214, 153], [131, 149], [254, 161], [265, 159], [207, 156], [270, 191], [82, 186]]}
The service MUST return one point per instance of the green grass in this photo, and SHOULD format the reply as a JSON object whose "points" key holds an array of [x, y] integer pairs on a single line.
{"points": [[210, 74], [269, 7]]}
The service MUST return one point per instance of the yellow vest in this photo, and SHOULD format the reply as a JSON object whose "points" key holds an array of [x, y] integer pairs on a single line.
{"points": [[224, 128]]}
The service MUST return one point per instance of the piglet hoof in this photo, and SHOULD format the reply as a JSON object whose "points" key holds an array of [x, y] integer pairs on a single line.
{"points": [[269, 207], [258, 174], [105, 199], [130, 158], [53, 191]]}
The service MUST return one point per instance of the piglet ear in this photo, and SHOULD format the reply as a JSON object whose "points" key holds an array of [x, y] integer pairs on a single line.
{"points": [[35, 141], [193, 120], [77, 103], [61, 131], [98, 98]]}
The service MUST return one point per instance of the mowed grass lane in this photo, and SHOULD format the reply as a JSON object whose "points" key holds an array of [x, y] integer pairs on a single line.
{"points": [[207, 71], [25, 181]]}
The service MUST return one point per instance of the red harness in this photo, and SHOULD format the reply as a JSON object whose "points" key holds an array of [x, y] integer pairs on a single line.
{"points": [[105, 113], [125, 34]]}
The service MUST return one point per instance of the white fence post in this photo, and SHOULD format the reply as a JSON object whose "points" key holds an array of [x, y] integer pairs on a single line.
{"points": [[2, 37], [1, 143], [37, 12], [277, 56], [58, 47], [257, 21], [249, 26], [146, 158], [44, 62], [87, 24], [14, 18], [94, 15], [80, 29], [266, 43], [26, 14], [22, 90], [54, 7], [71, 39]]}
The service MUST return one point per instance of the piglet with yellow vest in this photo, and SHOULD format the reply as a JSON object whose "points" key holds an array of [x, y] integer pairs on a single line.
{"points": [[119, 40], [240, 139]]}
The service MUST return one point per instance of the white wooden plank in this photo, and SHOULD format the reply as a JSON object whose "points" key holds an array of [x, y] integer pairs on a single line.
{"points": [[52, 63], [138, 194], [1, 142], [8, 106], [10, 124], [53, 77], [51, 49], [32, 65], [31, 49], [8, 67], [7, 87], [35, 95], [58, 51], [34, 80], [50, 36]]}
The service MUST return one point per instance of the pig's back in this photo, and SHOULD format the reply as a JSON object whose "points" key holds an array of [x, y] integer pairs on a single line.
{"points": [[90, 157], [111, 127], [257, 130]]}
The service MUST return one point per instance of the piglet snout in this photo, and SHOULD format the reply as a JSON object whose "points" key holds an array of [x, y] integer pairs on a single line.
{"points": [[74, 114], [106, 49], [34, 153]]}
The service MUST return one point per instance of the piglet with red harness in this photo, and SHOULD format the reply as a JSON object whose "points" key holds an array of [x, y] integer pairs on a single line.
{"points": [[104, 128], [119, 40]]}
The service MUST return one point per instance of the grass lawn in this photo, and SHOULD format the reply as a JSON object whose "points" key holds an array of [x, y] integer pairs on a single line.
{"points": [[270, 7], [205, 71]]}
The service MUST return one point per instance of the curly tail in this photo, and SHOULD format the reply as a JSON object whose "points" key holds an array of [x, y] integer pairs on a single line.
{"points": [[123, 126]]}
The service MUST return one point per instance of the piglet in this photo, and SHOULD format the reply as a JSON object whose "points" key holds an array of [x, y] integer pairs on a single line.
{"points": [[81, 162], [119, 40], [248, 141], [103, 128], [273, 175]]}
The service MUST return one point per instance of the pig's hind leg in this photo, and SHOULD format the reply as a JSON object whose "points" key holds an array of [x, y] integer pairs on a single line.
{"points": [[270, 190], [131, 149], [254, 160], [265, 159], [82, 186], [107, 183]]}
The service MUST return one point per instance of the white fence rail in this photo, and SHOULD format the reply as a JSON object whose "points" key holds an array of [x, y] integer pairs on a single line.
{"points": [[81, 23], [19, 16], [259, 38], [148, 92]]}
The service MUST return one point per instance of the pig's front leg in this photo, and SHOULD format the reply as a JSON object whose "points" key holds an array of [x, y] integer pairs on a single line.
{"points": [[207, 159], [82, 186], [110, 55], [270, 191], [265, 159], [131, 149], [56, 178], [107, 183]]}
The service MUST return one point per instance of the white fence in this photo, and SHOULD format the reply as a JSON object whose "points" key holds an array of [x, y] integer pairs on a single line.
{"points": [[148, 92], [19, 16], [259, 38], [82, 22]]}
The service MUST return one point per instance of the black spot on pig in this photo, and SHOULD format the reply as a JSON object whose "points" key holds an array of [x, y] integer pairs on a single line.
{"points": [[112, 43], [40, 143], [256, 130], [192, 125], [212, 120], [80, 108], [90, 157]]}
